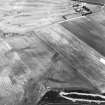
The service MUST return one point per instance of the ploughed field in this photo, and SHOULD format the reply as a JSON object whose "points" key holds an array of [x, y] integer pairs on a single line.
{"points": [[46, 60]]}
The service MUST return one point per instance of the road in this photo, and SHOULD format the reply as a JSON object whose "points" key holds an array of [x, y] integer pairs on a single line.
{"points": [[94, 1]]}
